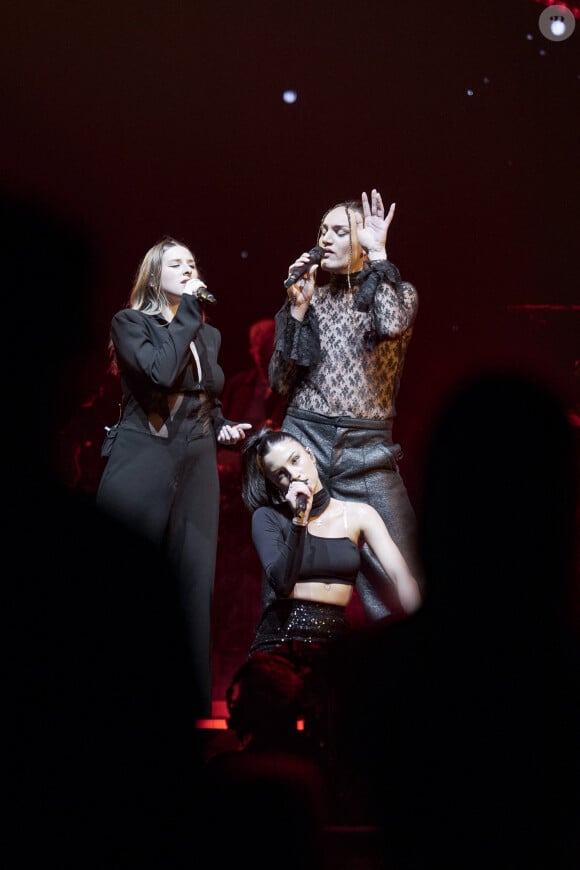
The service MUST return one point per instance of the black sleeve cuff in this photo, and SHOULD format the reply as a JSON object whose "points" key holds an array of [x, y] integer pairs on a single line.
{"points": [[377, 272]]}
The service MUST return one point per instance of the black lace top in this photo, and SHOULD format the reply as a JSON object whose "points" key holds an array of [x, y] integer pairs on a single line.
{"points": [[346, 357]]}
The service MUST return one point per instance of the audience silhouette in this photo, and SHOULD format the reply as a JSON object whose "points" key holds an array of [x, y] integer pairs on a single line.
{"points": [[101, 768], [272, 781], [460, 725]]}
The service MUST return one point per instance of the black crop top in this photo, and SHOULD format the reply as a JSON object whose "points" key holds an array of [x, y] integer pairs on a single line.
{"points": [[289, 554]]}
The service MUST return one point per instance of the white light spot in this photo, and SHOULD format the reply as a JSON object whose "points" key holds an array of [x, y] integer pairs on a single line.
{"points": [[556, 22], [244, 255], [469, 92], [289, 96]]}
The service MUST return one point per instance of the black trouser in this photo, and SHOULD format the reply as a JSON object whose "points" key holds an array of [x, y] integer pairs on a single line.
{"points": [[168, 490]]}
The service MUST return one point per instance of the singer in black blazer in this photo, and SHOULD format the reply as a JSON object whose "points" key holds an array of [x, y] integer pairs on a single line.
{"points": [[161, 474]]}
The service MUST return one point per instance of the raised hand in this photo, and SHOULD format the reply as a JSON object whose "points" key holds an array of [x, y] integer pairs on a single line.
{"points": [[372, 226]]}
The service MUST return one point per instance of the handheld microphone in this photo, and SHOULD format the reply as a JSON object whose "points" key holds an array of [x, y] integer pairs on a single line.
{"points": [[203, 295], [316, 253], [301, 504]]}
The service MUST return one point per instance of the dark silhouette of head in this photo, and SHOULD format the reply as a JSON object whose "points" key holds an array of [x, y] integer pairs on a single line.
{"points": [[265, 699], [100, 690], [475, 759], [499, 499], [49, 272]]}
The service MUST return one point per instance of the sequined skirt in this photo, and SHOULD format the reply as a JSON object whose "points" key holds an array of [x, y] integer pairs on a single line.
{"points": [[292, 621]]}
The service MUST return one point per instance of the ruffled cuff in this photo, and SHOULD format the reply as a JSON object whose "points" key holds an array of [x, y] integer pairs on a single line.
{"points": [[376, 272], [300, 340]]}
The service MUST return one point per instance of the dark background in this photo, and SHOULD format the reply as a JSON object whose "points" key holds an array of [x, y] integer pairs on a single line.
{"points": [[139, 119]]}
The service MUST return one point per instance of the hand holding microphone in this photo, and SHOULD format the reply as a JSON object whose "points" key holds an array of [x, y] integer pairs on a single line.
{"points": [[301, 501], [315, 255], [200, 291], [301, 505]]}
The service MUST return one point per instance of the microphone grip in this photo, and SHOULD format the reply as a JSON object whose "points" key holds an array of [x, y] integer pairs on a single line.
{"points": [[205, 296], [301, 504], [315, 255], [291, 279]]}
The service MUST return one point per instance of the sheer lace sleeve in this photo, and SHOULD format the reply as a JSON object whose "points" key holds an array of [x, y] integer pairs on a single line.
{"points": [[393, 302], [296, 349]]}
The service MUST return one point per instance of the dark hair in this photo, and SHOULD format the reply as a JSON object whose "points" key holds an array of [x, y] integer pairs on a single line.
{"points": [[257, 489]]}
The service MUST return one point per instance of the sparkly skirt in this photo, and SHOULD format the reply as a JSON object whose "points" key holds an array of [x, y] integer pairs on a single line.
{"points": [[294, 623]]}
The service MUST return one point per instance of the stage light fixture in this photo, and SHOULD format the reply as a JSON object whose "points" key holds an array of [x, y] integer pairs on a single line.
{"points": [[556, 23]]}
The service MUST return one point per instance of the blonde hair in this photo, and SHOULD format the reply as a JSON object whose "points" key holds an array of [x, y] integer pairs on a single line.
{"points": [[147, 294]]}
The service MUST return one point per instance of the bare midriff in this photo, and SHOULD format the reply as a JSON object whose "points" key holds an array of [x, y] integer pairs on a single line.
{"points": [[324, 593]]}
